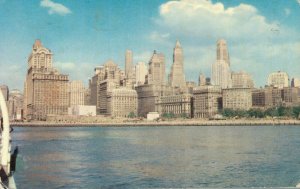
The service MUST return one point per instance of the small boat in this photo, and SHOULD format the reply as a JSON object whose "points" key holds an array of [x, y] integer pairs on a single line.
{"points": [[7, 161]]}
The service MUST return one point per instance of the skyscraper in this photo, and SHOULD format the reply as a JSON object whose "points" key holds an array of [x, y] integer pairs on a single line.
{"points": [[202, 80], [222, 52], [140, 73], [128, 63], [221, 74], [177, 77], [45, 90], [156, 74]]}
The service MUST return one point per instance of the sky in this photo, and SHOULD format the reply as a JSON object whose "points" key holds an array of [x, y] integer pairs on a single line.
{"points": [[262, 36]]}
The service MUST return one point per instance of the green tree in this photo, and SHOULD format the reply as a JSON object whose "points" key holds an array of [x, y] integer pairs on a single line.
{"points": [[131, 115]]}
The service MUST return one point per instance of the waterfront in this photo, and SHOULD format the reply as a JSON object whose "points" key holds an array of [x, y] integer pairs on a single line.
{"points": [[143, 157]]}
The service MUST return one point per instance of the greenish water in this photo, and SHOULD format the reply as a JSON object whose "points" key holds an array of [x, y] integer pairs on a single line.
{"points": [[157, 157]]}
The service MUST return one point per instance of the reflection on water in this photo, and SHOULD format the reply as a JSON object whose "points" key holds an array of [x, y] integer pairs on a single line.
{"points": [[157, 157]]}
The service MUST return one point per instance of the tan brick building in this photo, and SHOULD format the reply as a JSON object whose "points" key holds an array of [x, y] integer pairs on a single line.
{"points": [[207, 101], [237, 98], [179, 105], [122, 102], [45, 90]]}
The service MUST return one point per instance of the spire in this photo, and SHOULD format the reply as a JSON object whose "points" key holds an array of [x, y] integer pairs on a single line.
{"points": [[177, 44]]}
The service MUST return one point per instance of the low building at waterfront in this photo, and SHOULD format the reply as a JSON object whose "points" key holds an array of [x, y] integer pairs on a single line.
{"points": [[123, 102], [262, 98], [82, 110], [237, 98], [179, 105], [290, 96], [151, 116], [148, 97], [207, 101]]}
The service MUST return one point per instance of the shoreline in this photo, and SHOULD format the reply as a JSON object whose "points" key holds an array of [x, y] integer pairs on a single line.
{"points": [[164, 123]]}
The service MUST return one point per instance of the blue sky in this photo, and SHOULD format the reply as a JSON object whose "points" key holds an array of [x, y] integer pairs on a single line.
{"points": [[262, 36]]}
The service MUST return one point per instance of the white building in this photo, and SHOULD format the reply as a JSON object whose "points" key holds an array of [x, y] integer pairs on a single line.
{"points": [[278, 79], [81, 110], [241, 80], [76, 93], [221, 74], [141, 71], [151, 116]]}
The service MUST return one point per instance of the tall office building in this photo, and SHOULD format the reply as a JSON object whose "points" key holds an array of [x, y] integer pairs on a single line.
{"points": [[76, 93], [201, 80], [106, 77], [156, 73], [128, 63], [222, 52], [221, 74], [177, 77], [45, 90], [241, 80], [278, 79], [140, 73]]}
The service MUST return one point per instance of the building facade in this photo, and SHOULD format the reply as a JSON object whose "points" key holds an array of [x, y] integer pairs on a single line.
{"points": [[177, 76], [46, 90], [295, 82], [110, 74], [156, 73], [140, 73], [15, 105], [237, 98], [201, 80], [123, 102], [207, 101], [76, 93], [221, 74], [149, 95], [128, 63], [241, 80], [179, 105], [278, 79]]}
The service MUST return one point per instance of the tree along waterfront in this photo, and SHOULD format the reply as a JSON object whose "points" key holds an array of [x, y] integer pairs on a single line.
{"points": [[281, 111]]}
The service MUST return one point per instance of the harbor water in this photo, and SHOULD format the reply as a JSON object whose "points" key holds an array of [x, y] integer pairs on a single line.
{"points": [[157, 157]]}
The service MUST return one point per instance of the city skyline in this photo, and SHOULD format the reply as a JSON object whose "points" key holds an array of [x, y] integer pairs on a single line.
{"points": [[102, 34]]}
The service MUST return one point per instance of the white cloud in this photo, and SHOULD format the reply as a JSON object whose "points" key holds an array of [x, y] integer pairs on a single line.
{"points": [[55, 8], [298, 1], [254, 42], [207, 19], [287, 11]]}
